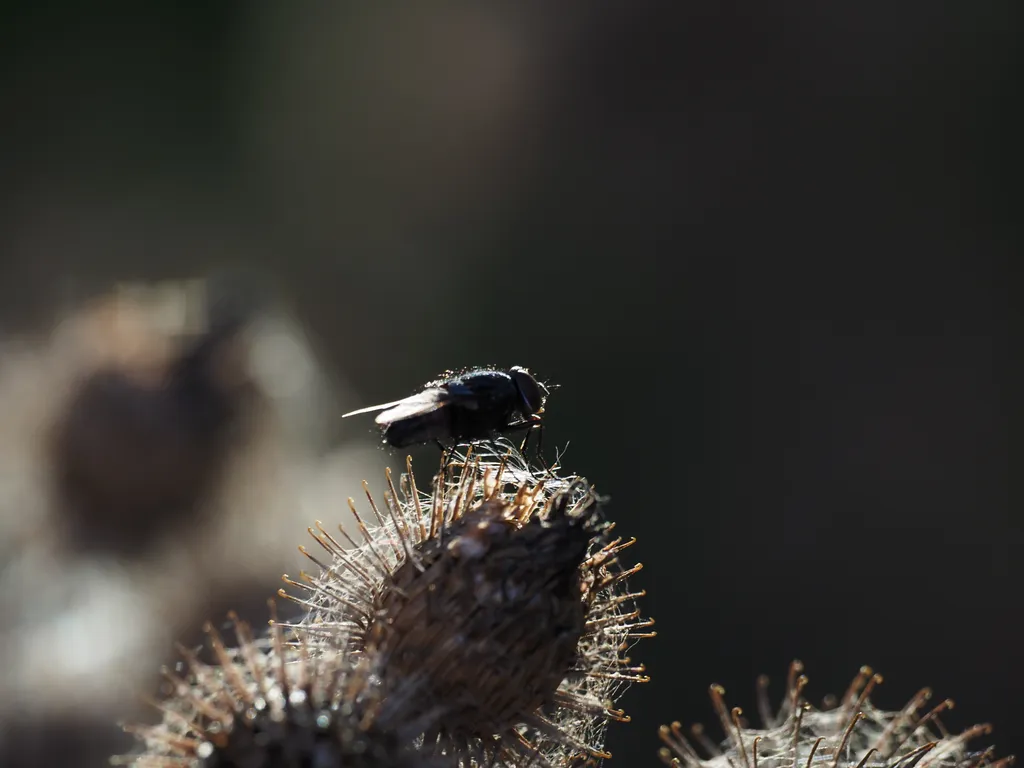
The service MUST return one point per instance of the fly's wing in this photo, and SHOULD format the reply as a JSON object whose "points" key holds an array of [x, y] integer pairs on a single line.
{"points": [[471, 391], [371, 409], [415, 405]]}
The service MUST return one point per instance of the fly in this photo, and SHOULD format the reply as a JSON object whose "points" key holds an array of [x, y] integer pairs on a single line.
{"points": [[463, 407]]}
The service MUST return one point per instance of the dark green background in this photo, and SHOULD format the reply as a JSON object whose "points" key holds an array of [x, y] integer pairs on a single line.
{"points": [[765, 248]]}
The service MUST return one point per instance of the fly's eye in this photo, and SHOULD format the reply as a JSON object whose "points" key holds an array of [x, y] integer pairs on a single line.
{"points": [[529, 390]]}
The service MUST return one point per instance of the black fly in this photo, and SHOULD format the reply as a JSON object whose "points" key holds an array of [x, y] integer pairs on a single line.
{"points": [[473, 405]]}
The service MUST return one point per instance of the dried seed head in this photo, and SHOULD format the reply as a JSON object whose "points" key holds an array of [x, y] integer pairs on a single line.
{"points": [[847, 733], [495, 590], [500, 595], [270, 704]]}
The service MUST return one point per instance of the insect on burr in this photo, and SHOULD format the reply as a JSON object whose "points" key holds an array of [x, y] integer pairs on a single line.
{"points": [[476, 404]]}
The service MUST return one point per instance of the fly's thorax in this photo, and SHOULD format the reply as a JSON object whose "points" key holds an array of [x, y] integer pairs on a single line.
{"points": [[487, 418]]}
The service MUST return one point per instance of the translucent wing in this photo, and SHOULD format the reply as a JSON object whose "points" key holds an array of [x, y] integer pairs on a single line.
{"points": [[415, 405], [371, 408]]}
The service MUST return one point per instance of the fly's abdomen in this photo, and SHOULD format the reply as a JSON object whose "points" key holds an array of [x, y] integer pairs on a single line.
{"points": [[435, 425]]}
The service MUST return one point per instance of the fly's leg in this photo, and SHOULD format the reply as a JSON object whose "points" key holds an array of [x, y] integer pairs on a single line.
{"points": [[549, 471], [526, 439], [538, 427]]}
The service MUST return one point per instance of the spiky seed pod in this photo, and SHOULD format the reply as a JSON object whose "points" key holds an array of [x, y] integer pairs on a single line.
{"points": [[495, 589], [847, 733], [501, 594], [271, 704]]}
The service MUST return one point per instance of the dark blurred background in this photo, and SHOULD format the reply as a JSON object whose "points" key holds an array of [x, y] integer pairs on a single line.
{"points": [[765, 249]]}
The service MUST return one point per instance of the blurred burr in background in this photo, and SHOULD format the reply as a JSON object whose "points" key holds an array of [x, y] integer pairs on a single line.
{"points": [[160, 447], [150, 419]]}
